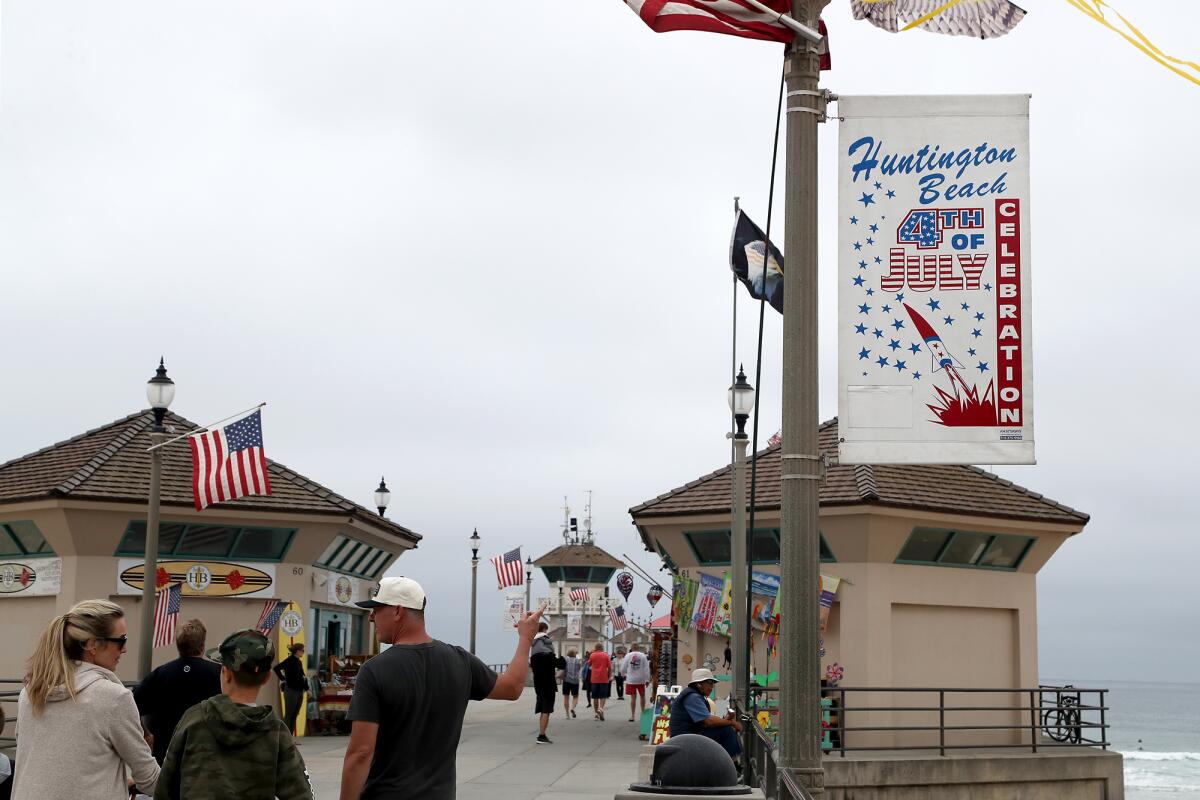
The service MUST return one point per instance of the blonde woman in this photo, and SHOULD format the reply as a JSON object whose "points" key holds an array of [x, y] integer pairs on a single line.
{"points": [[78, 726]]}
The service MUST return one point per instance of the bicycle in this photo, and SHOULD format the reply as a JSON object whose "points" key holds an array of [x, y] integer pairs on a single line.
{"points": [[1061, 722]]}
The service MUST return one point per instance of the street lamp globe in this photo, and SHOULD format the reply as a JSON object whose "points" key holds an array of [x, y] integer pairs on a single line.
{"points": [[382, 496], [741, 401], [474, 540], [160, 391], [528, 569]]}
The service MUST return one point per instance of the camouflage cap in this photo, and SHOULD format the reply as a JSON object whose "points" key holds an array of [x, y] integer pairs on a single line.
{"points": [[247, 651]]}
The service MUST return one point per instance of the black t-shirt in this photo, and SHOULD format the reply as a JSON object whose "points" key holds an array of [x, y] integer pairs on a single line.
{"points": [[171, 690], [417, 694]]}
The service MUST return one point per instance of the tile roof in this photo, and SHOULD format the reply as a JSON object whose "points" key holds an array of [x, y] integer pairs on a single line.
{"points": [[933, 487], [111, 463], [577, 555]]}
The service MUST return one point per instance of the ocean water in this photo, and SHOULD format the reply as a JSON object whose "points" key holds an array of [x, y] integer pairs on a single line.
{"points": [[1156, 727]]}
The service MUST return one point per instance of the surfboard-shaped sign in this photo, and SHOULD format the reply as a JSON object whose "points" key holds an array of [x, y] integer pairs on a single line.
{"points": [[199, 578], [33, 577], [291, 631]]}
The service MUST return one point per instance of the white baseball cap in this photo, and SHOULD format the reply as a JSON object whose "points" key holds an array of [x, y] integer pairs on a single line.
{"points": [[401, 591], [701, 675]]}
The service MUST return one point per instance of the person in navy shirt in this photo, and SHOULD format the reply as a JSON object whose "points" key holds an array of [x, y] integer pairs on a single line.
{"points": [[690, 714]]}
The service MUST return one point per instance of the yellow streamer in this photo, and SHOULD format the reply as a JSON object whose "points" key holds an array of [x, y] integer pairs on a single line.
{"points": [[1095, 10], [930, 15]]}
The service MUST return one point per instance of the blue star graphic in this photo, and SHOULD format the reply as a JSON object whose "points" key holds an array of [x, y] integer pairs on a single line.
{"points": [[897, 324], [987, 287], [870, 240], [874, 228], [878, 185], [860, 328], [971, 351], [916, 376], [982, 367], [948, 320], [867, 199], [934, 305], [915, 348], [864, 309], [887, 309], [966, 307], [862, 265], [878, 333], [881, 361], [858, 280], [900, 297], [895, 345], [870, 292], [864, 353], [854, 220], [878, 260], [890, 195], [976, 333], [858, 245], [978, 315], [899, 365]]}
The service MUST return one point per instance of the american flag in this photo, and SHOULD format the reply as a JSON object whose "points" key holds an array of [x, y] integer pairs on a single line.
{"points": [[509, 569], [733, 17], [228, 462], [166, 613], [617, 615], [579, 593], [270, 616]]}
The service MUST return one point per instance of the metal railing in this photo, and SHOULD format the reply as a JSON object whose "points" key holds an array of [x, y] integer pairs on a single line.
{"points": [[942, 719], [759, 766], [10, 690]]}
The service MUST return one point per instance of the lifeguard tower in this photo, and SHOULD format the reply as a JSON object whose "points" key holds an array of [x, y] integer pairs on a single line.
{"points": [[578, 564]]}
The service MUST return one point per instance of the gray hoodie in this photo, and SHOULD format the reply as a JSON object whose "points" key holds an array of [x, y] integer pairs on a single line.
{"points": [[80, 748]]}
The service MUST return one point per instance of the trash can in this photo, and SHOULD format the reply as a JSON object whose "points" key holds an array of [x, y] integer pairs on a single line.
{"points": [[690, 765]]}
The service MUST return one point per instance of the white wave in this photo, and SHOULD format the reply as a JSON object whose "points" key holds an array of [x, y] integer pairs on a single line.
{"points": [[1145, 755]]}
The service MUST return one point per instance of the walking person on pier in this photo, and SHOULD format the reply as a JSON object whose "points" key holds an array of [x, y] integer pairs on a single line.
{"points": [[571, 678], [600, 665], [544, 663], [409, 701], [637, 671], [176, 686]]}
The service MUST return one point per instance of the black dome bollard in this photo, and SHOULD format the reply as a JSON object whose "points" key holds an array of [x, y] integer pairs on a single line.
{"points": [[694, 765]]}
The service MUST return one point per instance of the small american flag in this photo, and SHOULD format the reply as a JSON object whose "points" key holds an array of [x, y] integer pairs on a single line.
{"points": [[509, 569], [617, 615], [228, 462], [579, 593], [270, 616], [166, 613]]}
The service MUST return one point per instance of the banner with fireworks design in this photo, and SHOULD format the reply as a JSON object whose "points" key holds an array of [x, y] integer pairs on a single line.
{"points": [[708, 603], [934, 356]]}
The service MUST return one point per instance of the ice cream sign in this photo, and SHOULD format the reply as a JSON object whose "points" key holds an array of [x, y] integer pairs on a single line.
{"points": [[933, 325]]}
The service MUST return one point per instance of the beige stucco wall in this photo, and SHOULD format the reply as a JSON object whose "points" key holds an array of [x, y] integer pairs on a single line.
{"points": [[902, 625]]}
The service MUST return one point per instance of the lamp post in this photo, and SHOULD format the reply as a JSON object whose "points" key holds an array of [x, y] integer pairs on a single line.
{"points": [[741, 403], [160, 391], [474, 540], [382, 497], [528, 583], [562, 616]]}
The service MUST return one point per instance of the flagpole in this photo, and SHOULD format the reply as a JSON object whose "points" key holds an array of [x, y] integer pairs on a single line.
{"points": [[150, 561], [204, 427], [799, 685]]}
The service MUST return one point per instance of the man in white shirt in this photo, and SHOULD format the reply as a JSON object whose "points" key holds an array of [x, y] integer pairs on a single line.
{"points": [[637, 675]]}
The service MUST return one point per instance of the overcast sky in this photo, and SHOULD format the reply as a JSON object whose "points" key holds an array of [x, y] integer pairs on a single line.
{"points": [[483, 252]]}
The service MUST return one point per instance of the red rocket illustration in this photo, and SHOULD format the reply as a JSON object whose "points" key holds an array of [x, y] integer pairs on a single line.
{"points": [[942, 359]]}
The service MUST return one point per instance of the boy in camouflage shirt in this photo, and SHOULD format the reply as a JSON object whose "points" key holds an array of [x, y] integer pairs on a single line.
{"points": [[227, 746]]}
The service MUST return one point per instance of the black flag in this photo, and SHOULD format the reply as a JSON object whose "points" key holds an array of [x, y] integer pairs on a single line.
{"points": [[746, 259]]}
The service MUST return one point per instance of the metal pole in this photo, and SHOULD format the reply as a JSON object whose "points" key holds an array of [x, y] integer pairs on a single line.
{"points": [[528, 591], [474, 583], [799, 668], [562, 640], [150, 566], [740, 556]]}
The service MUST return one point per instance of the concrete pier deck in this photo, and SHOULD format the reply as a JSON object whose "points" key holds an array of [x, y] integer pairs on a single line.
{"points": [[498, 759]]}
